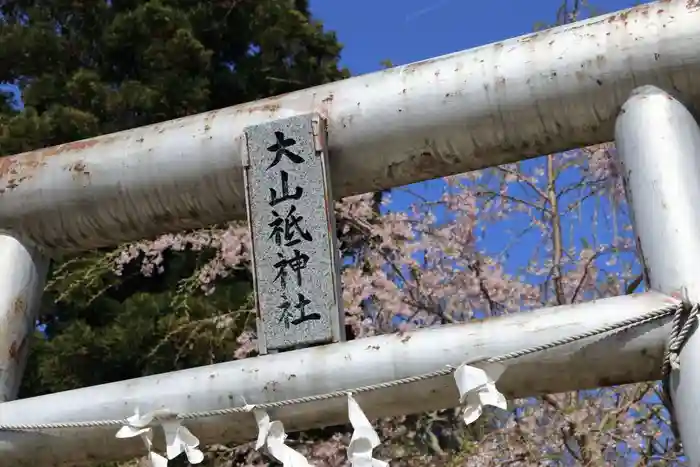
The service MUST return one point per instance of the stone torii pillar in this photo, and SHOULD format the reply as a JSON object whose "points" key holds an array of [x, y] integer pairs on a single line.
{"points": [[658, 143]]}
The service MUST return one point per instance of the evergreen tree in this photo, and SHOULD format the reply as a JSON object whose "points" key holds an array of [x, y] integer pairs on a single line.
{"points": [[89, 67]]}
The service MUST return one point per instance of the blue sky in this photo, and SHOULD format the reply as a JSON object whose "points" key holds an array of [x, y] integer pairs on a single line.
{"points": [[405, 31]]}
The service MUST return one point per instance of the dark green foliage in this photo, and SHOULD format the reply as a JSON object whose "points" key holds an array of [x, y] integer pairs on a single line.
{"points": [[89, 67]]}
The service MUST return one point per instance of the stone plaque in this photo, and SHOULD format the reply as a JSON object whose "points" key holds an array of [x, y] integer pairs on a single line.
{"points": [[292, 223]]}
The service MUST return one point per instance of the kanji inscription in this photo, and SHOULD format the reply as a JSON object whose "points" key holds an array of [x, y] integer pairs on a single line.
{"points": [[293, 232]]}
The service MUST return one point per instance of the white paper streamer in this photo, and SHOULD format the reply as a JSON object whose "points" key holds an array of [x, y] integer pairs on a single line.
{"points": [[273, 436], [364, 438], [153, 458], [178, 438], [136, 425], [477, 388]]}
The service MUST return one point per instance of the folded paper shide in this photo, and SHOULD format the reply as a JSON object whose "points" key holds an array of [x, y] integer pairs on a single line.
{"points": [[364, 438], [272, 436], [178, 438], [477, 387], [476, 384]]}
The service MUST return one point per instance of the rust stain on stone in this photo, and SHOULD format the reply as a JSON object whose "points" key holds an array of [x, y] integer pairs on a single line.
{"points": [[210, 116], [79, 168], [429, 164], [529, 38], [417, 66], [19, 306], [16, 349], [265, 107], [21, 167], [75, 146], [12, 169]]}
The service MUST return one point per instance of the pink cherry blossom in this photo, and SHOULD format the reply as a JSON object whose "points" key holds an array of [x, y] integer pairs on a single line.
{"points": [[514, 238]]}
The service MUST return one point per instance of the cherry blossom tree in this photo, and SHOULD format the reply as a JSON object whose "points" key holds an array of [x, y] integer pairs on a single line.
{"points": [[549, 231]]}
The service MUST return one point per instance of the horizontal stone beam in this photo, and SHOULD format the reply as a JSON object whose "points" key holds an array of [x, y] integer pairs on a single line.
{"points": [[615, 358], [544, 92]]}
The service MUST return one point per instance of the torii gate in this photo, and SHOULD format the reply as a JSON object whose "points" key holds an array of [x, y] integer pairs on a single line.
{"points": [[627, 76]]}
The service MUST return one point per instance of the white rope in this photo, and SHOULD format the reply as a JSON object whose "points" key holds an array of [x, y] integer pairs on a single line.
{"points": [[677, 340], [685, 317]]}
